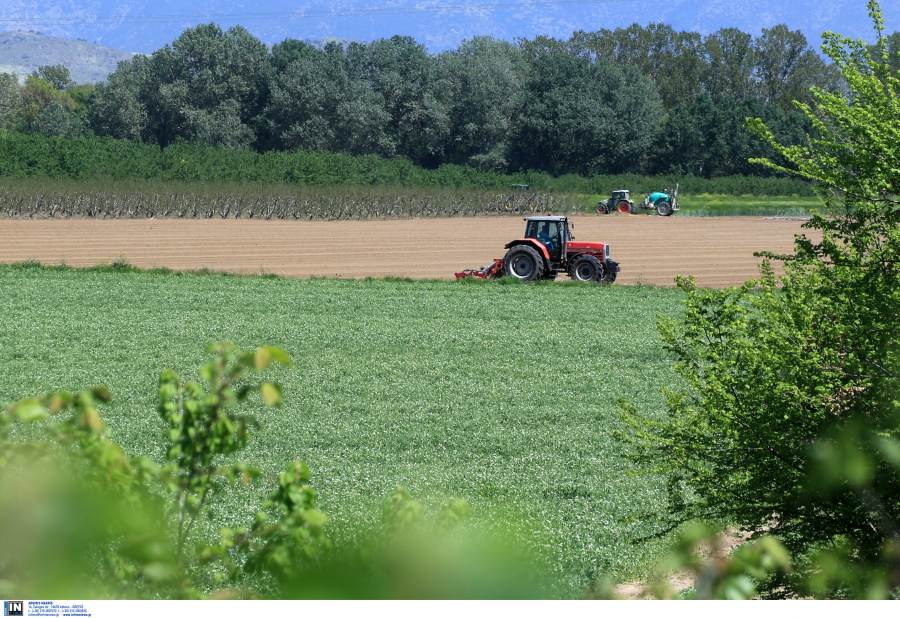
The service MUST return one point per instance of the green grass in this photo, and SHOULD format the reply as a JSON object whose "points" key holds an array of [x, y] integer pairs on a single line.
{"points": [[499, 394], [706, 205], [748, 205]]}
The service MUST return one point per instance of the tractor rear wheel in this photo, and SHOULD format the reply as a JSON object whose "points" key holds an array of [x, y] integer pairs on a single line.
{"points": [[523, 263], [663, 209], [586, 268], [625, 207]]}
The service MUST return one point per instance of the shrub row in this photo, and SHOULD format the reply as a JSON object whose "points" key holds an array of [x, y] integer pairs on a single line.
{"points": [[36, 156]]}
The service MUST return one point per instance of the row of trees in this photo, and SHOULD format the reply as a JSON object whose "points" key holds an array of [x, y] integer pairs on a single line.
{"points": [[645, 100], [776, 67]]}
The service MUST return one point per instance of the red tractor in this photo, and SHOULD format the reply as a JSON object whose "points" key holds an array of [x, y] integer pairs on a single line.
{"points": [[547, 249]]}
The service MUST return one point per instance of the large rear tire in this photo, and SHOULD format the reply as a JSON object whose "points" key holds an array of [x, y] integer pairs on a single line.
{"points": [[586, 268], [663, 208], [625, 207], [523, 263]]}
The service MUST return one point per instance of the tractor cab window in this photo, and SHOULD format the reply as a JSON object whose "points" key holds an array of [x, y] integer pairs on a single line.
{"points": [[546, 232]]}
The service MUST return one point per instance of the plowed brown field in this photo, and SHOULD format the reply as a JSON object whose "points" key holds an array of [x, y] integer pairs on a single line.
{"points": [[718, 251]]}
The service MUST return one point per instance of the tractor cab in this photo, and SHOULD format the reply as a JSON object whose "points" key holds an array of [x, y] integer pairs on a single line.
{"points": [[553, 233], [620, 195]]}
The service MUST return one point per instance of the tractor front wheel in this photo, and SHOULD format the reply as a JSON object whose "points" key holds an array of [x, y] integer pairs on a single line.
{"points": [[523, 263], [663, 209], [586, 268], [611, 272]]}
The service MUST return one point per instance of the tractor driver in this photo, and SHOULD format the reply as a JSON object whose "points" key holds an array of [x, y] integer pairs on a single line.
{"points": [[547, 238]]}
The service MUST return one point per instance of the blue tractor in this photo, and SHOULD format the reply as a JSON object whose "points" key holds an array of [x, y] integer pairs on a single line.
{"points": [[664, 202]]}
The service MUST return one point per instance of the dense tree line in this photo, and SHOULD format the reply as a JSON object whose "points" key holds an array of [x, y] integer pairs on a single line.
{"points": [[645, 100], [776, 67]]}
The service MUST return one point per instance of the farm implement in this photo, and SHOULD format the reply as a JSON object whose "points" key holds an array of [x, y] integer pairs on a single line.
{"points": [[664, 202], [548, 249]]}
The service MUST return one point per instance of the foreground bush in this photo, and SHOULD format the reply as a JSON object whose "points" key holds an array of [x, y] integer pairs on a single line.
{"points": [[789, 424]]}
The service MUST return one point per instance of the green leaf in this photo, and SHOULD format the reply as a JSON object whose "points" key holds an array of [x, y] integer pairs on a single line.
{"points": [[278, 355], [271, 393], [316, 520], [263, 358], [28, 411], [159, 571], [101, 393]]}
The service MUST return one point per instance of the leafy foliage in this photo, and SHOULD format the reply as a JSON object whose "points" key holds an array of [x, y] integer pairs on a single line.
{"points": [[208, 86], [414, 96], [699, 554], [59, 121], [709, 134], [56, 75], [204, 429], [317, 105], [789, 423], [775, 67], [98, 159], [485, 77], [583, 117], [37, 94], [10, 102]]}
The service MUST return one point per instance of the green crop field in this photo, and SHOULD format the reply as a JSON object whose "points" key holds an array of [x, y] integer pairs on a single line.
{"points": [[748, 205], [499, 394]]}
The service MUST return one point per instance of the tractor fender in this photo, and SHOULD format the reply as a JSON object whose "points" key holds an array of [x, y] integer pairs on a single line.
{"points": [[538, 246]]}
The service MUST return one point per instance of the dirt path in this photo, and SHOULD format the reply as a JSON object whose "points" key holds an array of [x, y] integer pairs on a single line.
{"points": [[717, 250]]}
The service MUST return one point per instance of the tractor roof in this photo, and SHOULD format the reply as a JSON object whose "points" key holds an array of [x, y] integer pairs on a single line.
{"points": [[545, 218]]}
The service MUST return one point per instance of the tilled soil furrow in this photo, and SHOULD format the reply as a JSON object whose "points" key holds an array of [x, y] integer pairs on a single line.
{"points": [[653, 250]]}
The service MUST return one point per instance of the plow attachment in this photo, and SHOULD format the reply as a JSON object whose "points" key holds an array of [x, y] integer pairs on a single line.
{"points": [[487, 272]]}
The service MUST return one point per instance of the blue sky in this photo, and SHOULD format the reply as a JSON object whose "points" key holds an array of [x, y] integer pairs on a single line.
{"points": [[146, 25]]}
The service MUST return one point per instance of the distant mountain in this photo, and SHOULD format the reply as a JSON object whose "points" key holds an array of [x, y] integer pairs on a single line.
{"points": [[147, 25], [24, 52], [321, 43]]}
